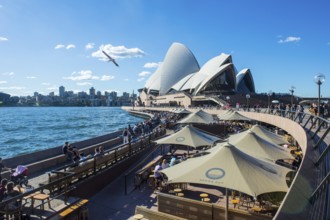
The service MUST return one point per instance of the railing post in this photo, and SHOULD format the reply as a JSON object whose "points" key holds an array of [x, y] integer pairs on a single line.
{"points": [[313, 123], [116, 156], [307, 121], [322, 155], [317, 130], [322, 138], [94, 165], [125, 184]]}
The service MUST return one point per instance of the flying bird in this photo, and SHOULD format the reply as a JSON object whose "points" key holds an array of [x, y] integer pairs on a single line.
{"points": [[110, 58]]}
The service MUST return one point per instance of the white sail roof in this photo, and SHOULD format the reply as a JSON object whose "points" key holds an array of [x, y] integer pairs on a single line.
{"points": [[178, 63], [209, 68]]}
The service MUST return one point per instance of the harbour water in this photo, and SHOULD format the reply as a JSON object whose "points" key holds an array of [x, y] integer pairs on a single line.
{"points": [[28, 129]]}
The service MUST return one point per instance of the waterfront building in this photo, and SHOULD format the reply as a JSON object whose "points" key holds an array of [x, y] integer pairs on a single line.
{"points": [[92, 92], [62, 91], [181, 74]]}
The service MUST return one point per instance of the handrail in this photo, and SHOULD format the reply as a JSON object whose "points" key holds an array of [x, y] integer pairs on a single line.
{"points": [[139, 164], [67, 177], [313, 126], [319, 188]]}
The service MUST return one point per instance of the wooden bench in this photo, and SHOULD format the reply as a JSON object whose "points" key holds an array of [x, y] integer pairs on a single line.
{"points": [[142, 174], [82, 170], [122, 152], [53, 177], [79, 207], [105, 160], [73, 208]]}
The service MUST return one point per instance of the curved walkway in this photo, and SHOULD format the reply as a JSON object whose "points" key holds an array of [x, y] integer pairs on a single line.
{"points": [[296, 204]]}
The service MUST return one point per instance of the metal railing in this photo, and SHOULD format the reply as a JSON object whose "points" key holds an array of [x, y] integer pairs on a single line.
{"points": [[67, 179], [318, 129]]}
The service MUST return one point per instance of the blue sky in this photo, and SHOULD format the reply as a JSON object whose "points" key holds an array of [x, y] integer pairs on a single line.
{"points": [[46, 43]]}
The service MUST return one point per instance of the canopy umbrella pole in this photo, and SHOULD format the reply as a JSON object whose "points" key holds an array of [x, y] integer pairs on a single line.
{"points": [[227, 204]]}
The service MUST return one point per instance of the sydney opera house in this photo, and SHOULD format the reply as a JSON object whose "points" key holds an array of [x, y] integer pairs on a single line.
{"points": [[180, 80]]}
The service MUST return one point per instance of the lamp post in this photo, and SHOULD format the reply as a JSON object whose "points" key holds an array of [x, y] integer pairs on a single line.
{"points": [[269, 94], [228, 99], [319, 79], [292, 88], [133, 100], [247, 101]]}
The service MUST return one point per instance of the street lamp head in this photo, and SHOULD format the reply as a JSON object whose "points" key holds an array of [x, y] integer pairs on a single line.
{"points": [[292, 88], [247, 96], [319, 78], [227, 97]]}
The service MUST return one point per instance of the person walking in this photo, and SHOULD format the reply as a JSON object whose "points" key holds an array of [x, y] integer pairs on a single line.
{"points": [[66, 151], [125, 136], [300, 113]]}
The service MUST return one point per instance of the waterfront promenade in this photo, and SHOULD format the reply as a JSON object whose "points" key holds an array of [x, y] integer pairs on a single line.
{"points": [[112, 203]]}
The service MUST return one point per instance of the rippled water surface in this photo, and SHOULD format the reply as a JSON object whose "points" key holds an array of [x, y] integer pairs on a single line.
{"points": [[28, 129]]}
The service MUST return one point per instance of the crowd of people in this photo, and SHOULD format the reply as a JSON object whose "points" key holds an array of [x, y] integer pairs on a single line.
{"points": [[74, 155], [142, 128], [164, 164], [7, 191]]}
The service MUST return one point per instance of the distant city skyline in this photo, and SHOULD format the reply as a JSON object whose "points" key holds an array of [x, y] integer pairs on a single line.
{"points": [[46, 44]]}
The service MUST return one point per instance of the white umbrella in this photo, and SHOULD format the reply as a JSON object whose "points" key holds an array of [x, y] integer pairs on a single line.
{"points": [[189, 136], [200, 117], [268, 135], [233, 116], [182, 111], [254, 145], [229, 111], [230, 168]]}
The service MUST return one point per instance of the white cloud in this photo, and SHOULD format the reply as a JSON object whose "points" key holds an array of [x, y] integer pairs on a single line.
{"points": [[8, 73], [3, 82], [82, 75], [45, 84], [144, 73], [53, 88], [59, 46], [126, 79], [12, 88], [89, 46], [84, 84], [3, 38], [70, 46], [117, 52], [289, 39], [152, 65], [31, 77], [107, 78], [140, 79]]}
